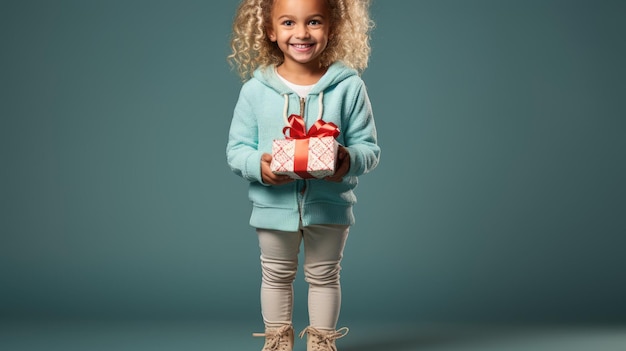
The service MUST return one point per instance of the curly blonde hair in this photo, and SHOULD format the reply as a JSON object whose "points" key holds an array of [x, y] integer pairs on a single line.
{"points": [[349, 40]]}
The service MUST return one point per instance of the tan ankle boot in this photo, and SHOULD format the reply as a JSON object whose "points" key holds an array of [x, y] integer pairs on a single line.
{"points": [[277, 339], [322, 340]]}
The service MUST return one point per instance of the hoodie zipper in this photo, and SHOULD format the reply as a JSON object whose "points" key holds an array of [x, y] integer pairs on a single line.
{"points": [[302, 102], [303, 182]]}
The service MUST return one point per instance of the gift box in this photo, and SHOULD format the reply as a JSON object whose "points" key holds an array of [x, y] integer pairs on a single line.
{"points": [[304, 158], [303, 155]]}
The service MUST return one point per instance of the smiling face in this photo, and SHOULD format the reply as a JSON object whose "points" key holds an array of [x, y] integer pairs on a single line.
{"points": [[300, 28]]}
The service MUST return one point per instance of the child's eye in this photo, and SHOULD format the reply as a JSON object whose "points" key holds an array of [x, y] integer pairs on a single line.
{"points": [[288, 23], [315, 22]]}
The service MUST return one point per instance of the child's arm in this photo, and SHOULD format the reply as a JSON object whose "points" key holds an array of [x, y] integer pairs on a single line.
{"points": [[242, 151], [343, 165], [360, 137]]}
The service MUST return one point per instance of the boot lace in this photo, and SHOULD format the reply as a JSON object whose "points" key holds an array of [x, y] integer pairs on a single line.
{"points": [[323, 340], [275, 340]]}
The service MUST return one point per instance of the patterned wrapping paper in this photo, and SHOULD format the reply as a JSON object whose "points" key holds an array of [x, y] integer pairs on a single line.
{"points": [[313, 157]]}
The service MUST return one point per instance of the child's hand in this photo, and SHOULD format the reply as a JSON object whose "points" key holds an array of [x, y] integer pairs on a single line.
{"points": [[343, 165], [268, 176]]}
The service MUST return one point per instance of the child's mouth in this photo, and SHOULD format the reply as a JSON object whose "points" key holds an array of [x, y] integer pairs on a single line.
{"points": [[302, 46]]}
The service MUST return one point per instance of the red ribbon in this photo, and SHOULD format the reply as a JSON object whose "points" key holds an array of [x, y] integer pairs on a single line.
{"points": [[297, 130]]}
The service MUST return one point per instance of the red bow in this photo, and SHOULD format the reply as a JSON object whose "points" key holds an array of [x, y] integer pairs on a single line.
{"points": [[297, 129]]}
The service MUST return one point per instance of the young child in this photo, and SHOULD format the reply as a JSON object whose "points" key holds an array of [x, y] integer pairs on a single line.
{"points": [[301, 57]]}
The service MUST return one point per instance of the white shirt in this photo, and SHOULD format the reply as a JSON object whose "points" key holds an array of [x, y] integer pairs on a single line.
{"points": [[301, 90]]}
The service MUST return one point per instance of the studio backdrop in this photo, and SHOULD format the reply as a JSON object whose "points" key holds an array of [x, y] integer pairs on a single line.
{"points": [[499, 195]]}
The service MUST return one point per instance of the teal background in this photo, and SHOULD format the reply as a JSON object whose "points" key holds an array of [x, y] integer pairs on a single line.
{"points": [[500, 194]]}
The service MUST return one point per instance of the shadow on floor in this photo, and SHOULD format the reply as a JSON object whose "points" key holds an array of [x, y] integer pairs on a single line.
{"points": [[391, 339]]}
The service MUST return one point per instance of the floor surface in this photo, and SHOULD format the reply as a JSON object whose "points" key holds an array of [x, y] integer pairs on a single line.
{"points": [[209, 336]]}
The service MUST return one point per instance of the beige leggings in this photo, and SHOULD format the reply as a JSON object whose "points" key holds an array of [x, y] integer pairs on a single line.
{"points": [[323, 251]]}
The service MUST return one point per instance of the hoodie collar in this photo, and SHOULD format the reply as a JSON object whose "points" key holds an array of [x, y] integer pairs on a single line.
{"points": [[335, 74]]}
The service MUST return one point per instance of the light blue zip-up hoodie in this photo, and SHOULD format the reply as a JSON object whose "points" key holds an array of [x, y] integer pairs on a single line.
{"points": [[259, 118]]}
